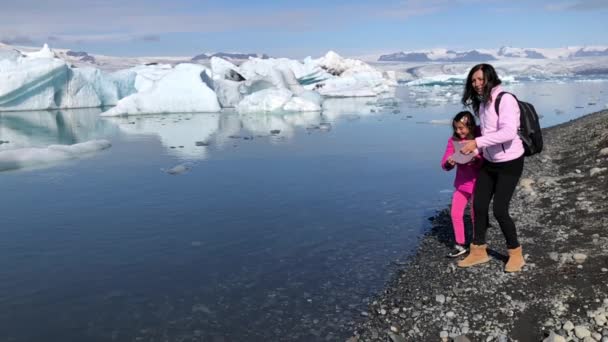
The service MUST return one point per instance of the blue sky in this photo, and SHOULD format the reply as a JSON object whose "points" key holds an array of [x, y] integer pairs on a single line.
{"points": [[300, 28]]}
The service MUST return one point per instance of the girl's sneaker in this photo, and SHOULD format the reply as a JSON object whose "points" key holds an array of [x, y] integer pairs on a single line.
{"points": [[458, 250]]}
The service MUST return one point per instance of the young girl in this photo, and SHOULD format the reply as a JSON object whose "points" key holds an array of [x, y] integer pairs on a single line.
{"points": [[464, 128]]}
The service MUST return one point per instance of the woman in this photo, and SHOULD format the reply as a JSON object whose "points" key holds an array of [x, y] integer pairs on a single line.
{"points": [[503, 152]]}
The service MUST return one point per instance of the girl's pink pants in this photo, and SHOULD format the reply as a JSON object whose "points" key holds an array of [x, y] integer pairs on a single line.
{"points": [[459, 204]]}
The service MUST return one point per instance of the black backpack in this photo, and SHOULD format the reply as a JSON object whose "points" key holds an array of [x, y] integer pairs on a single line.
{"points": [[529, 126]]}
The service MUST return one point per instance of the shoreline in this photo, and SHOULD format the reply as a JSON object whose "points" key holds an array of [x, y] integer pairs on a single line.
{"points": [[561, 211]]}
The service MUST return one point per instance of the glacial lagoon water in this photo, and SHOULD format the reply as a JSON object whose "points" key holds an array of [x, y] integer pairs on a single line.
{"points": [[224, 227]]}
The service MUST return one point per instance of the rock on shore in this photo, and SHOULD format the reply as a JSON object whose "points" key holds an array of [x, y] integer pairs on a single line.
{"points": [[561, 211]]}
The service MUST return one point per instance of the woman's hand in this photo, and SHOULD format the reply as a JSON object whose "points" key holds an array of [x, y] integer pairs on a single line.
{"points": [[451, 161], [469, 147]]}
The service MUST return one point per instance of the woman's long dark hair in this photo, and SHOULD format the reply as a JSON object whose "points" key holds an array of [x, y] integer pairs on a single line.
{"points": [[470, 98], [468, 120]]}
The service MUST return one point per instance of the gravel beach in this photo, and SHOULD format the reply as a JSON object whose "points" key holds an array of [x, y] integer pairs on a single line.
{"points": [[561, 211]]}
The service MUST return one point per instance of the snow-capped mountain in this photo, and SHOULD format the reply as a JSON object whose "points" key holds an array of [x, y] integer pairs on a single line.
{"points": [[439, 56], [229, 56], [483, 55]]}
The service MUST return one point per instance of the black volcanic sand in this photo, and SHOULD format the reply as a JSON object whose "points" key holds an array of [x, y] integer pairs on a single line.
{"points": [[561, 211]]}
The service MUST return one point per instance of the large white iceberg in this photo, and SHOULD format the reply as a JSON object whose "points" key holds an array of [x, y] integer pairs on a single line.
{"points": [[180, 90], [39, 81]]}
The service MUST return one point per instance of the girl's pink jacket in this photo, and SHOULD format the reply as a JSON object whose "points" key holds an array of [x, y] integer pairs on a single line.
{"points": [[466, 174]]}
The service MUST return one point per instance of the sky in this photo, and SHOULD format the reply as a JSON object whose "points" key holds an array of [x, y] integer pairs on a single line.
{"points": [[299, 28]]}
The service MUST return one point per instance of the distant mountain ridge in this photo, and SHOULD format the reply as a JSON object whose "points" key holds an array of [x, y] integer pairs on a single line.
{"points": [[229, 55], [483, 55]]}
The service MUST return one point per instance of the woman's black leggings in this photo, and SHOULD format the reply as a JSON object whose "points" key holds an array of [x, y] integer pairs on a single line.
{"points": [[498, 180]]}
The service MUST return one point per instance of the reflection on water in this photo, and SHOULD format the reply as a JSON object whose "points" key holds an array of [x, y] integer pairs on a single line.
{"points": [[43, 128], [186, 136]]}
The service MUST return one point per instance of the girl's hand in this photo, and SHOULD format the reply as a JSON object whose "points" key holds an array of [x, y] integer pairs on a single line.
{"points": [[451, 161], [469, 146]]}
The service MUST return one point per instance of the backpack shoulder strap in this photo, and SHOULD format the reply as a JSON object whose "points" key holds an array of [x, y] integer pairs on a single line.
{"points": [[498, 97]]}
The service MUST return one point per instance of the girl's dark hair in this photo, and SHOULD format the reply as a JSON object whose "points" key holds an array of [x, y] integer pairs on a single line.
{"points": [[468, 120], [470, 98]]}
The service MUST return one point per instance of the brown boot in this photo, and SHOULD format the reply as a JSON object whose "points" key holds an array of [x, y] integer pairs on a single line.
{"points": [[477, 255], [516, 260]]}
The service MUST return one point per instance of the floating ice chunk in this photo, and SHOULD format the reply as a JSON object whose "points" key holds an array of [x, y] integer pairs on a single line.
{"points": [[180, 91], [28, 157], [441, 122], [439, 80], [178, 169]]}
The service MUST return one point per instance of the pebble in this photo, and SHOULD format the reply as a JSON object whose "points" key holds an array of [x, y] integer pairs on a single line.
{"points": [[568, 326], [396, 338], [461, 338], [450, 314], [596, 336], [440, 299], [581, 331], [554, 256], [600, 319], [553, 337], [604, 269], [444, 334], [579, 258]]}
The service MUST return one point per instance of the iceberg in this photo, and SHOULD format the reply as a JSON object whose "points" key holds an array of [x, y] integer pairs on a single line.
{"points": [[31, 156], [180, 90], [351, 78], [40, 81]]}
